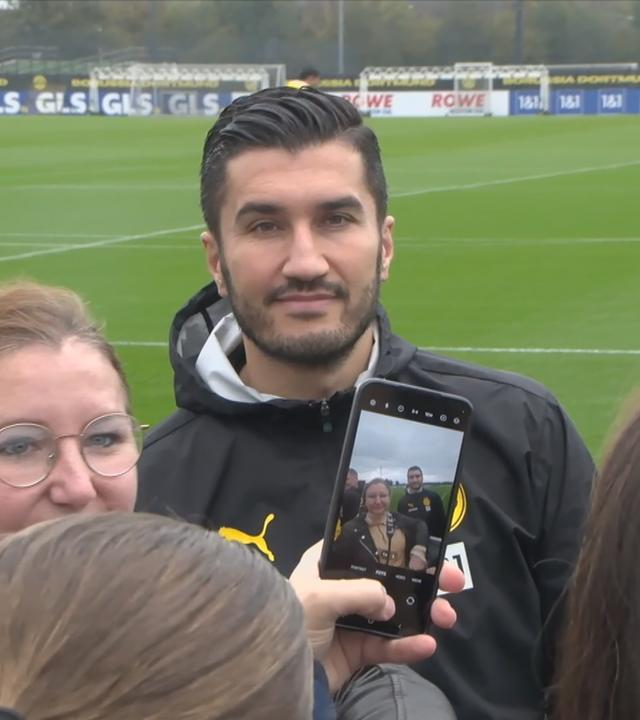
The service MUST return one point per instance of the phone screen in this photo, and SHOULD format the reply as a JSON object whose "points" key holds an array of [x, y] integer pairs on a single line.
{"points": [[394, 497]]}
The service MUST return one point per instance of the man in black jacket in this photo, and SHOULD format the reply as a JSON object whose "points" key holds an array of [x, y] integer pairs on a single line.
{"points": [[351, 497], [266, 359], [423, 504]]}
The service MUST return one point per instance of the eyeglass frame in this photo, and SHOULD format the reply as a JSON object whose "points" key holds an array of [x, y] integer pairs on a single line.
{"points": [[54, 455]]}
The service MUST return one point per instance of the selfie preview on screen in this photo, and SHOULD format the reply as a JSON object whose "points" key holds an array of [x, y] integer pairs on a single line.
{"points": [[396, 496]]}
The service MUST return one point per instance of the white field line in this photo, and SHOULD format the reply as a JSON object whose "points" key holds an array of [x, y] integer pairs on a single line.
{"points": [[57, 173], [139, 343], [512, 180], [83, 236], [529, 242], [408, 193], [193, 246], [28, 244], [462, 349], [400, 242], [535, 351], [115, 187], [97, 243]]}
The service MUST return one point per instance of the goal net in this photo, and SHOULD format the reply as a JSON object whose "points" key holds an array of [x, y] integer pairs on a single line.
{"points": [[472, 89], [373, 79], [467, 89], [176, 89], [474, 85]]}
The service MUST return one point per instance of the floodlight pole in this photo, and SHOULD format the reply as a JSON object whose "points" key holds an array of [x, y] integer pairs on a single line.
{"points": [[518, 39], [340, 37]]}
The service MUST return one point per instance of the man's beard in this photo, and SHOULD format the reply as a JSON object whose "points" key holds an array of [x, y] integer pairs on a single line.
{"points": [[325, 348]]}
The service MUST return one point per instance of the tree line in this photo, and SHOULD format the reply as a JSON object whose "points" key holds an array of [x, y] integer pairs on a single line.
{"points": [[305, 32]]}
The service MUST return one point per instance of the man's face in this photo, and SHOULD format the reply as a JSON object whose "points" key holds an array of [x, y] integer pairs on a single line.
{"points": [[352, 479], [301, 254], [414, 479]]}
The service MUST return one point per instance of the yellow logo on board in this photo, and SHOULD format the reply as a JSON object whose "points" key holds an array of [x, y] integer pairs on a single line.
{"points": [[460, 510], [234, 535], [39, 82]]}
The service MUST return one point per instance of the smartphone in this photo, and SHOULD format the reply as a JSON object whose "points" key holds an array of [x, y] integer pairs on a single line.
{"points": [[394, 496]]}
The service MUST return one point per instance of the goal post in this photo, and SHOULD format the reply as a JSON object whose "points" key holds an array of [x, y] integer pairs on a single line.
{"points": [[474, 84], [469, 89], [472, 89], [390, 77], [179, 89]]}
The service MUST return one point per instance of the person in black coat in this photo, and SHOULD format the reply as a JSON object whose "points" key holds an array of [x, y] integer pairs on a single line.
{"points": [[423, 504], [351, 497], [379, 536]]}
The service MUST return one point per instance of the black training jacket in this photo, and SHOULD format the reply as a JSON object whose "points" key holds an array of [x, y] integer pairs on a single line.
{"points": [[263, 473]]}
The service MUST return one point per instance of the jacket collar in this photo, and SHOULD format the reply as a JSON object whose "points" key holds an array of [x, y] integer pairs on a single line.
{"points": [[218, 374], [195, 322]]}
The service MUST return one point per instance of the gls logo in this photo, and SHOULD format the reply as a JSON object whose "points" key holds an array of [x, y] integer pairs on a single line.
{"points": [[52, 103], [10, 102]]}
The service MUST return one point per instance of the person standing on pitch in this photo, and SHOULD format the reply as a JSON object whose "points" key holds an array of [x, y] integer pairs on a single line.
{"points": [[266, 358]]}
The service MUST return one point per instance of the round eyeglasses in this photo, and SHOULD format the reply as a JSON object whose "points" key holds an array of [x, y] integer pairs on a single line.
{"points": [[110, 446]]}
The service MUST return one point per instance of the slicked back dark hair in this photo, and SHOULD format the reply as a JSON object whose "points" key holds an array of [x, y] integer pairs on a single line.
{"points": [[291, 119]]}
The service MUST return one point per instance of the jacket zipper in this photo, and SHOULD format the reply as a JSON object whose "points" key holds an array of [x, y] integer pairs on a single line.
{"points": [[325, 415]]}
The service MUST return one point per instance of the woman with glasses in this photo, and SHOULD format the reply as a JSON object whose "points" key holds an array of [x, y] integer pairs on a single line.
{"points": [[68, 443]]}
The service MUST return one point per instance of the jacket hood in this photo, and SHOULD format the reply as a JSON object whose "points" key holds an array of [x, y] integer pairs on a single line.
{"points": [[194, 323]]}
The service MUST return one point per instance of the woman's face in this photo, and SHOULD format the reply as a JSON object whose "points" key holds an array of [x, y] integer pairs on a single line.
{"points": [[377, 499], [63, 389]]}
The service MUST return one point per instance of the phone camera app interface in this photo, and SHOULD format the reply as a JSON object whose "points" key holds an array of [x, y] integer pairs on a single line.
{"points": [[396, 498]]}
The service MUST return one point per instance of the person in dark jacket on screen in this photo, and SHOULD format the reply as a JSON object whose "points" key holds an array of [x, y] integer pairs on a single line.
{"points": [[266, 359], [378, 536], [351, 497], [420, 503]]}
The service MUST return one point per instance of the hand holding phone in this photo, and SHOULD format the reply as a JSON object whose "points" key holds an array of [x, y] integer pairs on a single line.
{"points": [[343, 652], [394, 496]]}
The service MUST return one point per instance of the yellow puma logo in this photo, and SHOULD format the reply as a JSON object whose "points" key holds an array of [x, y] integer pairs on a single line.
{"points": [[229, 533]]}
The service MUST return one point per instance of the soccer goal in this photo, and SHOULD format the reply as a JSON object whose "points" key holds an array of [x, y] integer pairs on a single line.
{"points": [[178, 89], [472, 89], [463, 89], [372, 80], [474, 84]]}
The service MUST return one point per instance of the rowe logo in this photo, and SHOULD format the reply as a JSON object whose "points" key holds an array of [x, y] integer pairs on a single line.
{"points": [[373, 100], [471, 100]]}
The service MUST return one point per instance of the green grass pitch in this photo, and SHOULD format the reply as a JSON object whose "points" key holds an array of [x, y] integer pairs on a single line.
{"points": [[517, 239]]}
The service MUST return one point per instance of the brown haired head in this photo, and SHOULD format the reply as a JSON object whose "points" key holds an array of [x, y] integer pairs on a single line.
{"points": [[375, 481], [291, 119], [600, 655], [141, 617], [36, 314]]}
